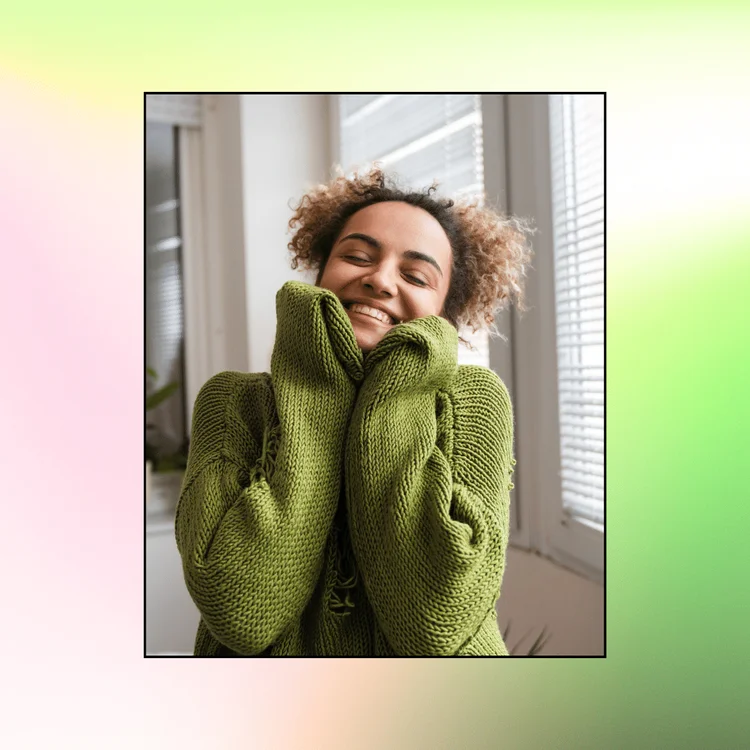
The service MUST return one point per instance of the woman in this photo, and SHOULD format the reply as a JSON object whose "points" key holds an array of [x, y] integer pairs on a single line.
{"points": [[354, 501]]}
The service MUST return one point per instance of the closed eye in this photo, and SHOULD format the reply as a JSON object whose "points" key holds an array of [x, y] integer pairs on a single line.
{"points": [[417, 281]]}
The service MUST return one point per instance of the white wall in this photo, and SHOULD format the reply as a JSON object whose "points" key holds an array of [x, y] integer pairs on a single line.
{"points": [[285, 151]]}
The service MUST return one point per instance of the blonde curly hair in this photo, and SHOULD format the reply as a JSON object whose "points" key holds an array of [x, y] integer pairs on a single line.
{"points": [[491, 252]]}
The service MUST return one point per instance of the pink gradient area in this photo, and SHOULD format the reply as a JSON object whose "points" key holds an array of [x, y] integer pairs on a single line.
{"points": [[72, 408], [71, 313]]}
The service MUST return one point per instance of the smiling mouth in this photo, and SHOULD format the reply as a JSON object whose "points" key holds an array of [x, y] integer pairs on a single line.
{"points": [[391, 323]]}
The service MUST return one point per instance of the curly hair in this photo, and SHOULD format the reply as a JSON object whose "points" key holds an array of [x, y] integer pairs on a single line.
{"points": [[490, 251]]}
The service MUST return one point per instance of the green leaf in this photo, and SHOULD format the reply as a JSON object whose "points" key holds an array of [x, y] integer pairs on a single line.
{"points": [[507, 631], [536, 648], [162, 394]]}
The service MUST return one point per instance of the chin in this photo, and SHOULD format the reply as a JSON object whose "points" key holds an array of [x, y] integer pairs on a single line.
{"points": [[366, 343], [368, 335], [366, 346]]}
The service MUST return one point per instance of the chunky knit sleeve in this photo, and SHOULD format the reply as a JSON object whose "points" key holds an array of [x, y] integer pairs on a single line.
{"points": [[219, 523], [429, 458], [264, 477]]}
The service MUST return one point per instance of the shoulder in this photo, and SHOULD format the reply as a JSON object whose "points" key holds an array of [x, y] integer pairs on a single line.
{"points": [[483, 422], [230, 389], [227, 383], [231, 411], [231, 393], [481, 386], [482, 406]]}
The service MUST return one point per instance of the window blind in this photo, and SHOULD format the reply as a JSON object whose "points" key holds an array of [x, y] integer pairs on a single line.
{"points": [[577, 159], [164, 285], [419, 138]]}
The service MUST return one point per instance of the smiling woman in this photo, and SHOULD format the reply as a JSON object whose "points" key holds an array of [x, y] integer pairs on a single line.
{"points": [[408, 254], [355, 501]]}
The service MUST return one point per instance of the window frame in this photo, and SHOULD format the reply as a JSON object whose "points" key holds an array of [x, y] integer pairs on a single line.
{"points": [[544, 525], [204, 182]]}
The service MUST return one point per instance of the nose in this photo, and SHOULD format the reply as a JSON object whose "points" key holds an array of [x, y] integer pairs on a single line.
{"points": [[380, 281]]}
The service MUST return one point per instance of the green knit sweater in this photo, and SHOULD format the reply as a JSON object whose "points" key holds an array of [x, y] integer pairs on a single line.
{"points": [[348, 504]]}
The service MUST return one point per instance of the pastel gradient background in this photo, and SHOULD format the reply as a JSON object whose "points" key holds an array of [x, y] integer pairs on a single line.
{"points": [[677, 673]]}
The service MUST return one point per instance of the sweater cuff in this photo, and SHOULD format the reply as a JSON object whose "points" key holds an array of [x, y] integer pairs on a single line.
{"points": [[313, 330], [419, 354]]}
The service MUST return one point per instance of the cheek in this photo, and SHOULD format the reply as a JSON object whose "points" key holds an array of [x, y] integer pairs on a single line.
{"points": [[335, 273], [422, 310]]}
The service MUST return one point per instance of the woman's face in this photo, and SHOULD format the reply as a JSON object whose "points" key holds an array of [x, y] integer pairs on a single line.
{"points": [[391, 256]]}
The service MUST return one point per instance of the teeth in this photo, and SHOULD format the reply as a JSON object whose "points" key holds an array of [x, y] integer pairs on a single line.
{"points": [[379, 315]]}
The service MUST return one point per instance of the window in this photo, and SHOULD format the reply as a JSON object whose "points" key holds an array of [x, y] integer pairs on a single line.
{"points": [[420, 138], [577, 170], [164, 295], [177, 319], [555, 174]]}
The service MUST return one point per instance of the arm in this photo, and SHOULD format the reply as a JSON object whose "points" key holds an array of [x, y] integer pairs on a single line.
{"points": [[428, 470], [263, 476]]}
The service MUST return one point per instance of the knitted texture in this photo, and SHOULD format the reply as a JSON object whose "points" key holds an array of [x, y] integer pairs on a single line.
{"points": [[347, 504], [428, 462]]}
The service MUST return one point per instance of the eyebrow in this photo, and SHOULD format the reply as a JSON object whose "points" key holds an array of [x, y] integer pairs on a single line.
{"points": [[411, 254]]}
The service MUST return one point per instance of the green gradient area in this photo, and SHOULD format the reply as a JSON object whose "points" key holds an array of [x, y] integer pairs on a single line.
{"points": [[677, 488]]}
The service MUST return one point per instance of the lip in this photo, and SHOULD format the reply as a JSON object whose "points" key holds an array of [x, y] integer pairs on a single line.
{"points": [[370, 318], [370, 303]]}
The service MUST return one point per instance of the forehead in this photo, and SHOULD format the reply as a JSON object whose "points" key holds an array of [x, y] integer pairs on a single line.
{"points": [[401, 226]]}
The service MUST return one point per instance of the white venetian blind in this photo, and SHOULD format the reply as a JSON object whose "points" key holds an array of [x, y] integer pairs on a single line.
{"points": [[577, 154], [419, 138], [164, 284]]}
